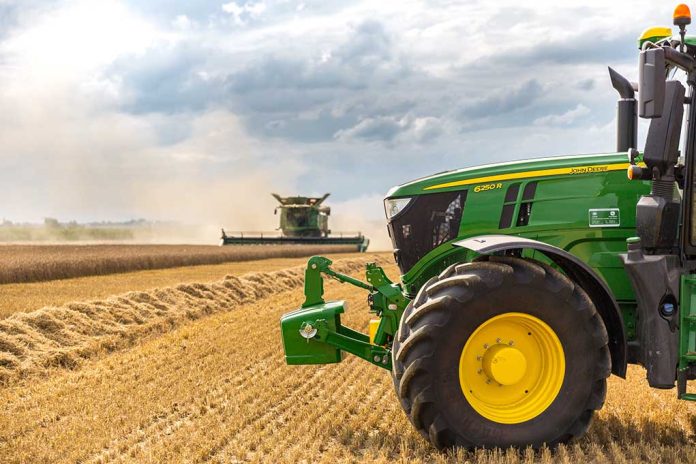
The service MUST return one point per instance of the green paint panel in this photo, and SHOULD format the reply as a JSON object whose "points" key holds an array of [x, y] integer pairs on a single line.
{"points": [[300, 350], [560, 212], [687, 308], [687, 334], [422, 185]]}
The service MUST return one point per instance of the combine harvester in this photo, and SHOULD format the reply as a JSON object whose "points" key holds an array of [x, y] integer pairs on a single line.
{"points": [[303, 221], [525, 285]]}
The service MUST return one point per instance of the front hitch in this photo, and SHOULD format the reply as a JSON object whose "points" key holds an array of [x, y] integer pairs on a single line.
{"points": [[313, 334]]}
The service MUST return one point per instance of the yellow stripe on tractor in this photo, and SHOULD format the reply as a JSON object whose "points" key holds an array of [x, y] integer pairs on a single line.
{"points": [[574, 170]]}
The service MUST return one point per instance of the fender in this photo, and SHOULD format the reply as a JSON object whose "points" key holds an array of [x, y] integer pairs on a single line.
{"points": [[579, 272]]}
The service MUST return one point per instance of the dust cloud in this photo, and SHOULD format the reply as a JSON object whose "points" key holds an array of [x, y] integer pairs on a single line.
{"points": [[71, 149], [362, 214]]}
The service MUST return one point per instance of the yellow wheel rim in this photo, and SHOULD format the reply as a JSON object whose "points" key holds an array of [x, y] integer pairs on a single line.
{"points": [[512, 368]]}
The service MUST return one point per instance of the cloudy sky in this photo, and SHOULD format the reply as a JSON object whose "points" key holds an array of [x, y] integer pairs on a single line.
{"points": [[196, 110]]}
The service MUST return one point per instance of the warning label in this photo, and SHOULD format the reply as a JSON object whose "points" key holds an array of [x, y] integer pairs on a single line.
{"points": [[605, 217]]}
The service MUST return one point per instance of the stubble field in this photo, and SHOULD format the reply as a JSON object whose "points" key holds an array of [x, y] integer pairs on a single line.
{"points": [[194, 372]]}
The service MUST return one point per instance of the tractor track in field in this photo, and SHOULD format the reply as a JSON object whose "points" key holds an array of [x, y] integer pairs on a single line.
{"points": [[163, 423], [179, 416], [315, 418], [263, 422]]}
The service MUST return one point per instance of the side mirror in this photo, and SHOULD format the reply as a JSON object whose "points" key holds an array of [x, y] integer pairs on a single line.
{"points": [[651, 83]]}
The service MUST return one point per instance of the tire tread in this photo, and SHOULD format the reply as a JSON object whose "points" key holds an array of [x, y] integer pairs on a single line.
{"points": [[462, 282]]}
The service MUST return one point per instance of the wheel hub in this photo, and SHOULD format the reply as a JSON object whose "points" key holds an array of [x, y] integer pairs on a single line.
{"points": [[504, 364]]}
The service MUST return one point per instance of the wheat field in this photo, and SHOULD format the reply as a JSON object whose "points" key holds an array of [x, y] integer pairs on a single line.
{"points": [[195, 373], [35, 263]]}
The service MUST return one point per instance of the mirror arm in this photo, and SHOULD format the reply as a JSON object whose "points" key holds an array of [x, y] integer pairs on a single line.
{"points": [[680, 60]]}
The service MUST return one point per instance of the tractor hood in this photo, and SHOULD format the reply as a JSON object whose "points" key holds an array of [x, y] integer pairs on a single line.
{"points": [[425, 215], [478, 177]]}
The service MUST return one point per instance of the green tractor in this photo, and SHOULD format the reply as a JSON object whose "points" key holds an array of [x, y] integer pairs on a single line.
{"points": [[525, 285], [303, 221]]}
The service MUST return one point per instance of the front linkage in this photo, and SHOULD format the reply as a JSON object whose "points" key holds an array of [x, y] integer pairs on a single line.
{"points": [[313, 334]]}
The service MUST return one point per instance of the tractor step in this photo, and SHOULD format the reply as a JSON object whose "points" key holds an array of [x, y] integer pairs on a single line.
{"points": [[688, 396]]}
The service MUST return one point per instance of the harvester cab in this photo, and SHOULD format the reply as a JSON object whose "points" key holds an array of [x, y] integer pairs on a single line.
{"points": [[303, 221], [303, 216], [524, 285]]}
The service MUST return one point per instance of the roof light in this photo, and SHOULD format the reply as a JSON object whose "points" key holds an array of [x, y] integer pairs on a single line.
{"points": [[682, 15]]}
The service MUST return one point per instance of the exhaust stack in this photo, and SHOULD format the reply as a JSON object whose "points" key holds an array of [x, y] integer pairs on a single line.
{"points": [[626, 117]]}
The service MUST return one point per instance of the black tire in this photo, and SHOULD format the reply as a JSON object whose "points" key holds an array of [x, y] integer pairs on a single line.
{"points": [[447, 310]]}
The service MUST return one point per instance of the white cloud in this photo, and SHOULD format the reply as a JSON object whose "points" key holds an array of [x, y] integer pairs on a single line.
{"points": [[182, 22], [78, 37], [389, 129], [242, 13], [563, 119]]}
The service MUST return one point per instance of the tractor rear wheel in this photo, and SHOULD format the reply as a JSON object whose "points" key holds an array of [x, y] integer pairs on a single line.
{"points": [[501, 352]]}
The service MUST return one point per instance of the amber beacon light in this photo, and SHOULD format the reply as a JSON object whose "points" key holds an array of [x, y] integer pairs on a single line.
{"points": [[682, 15]]}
